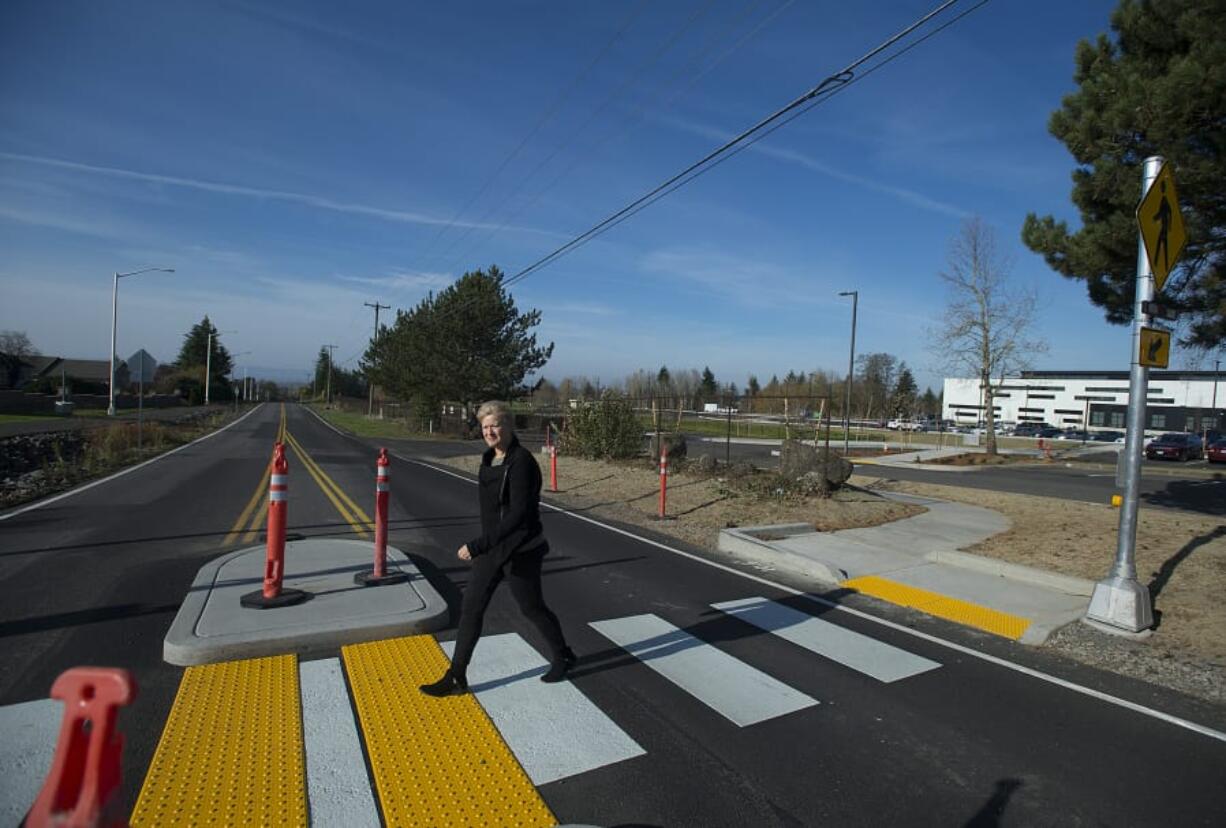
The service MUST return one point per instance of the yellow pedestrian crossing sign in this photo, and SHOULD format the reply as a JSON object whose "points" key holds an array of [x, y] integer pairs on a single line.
{"points": [[1155, 348], [1162, 226]]}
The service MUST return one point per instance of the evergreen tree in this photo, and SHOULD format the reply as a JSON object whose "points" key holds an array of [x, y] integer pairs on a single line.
{"points": [[1157, 87], [707, 388], [902, 401], [929, 404], [193, 357], [469, 343]]}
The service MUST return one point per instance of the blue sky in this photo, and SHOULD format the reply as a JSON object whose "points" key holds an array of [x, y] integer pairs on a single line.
{"points": [[294, 160]]}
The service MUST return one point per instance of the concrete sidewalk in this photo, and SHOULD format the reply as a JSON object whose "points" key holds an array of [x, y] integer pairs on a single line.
{"points": [[918, 563]]}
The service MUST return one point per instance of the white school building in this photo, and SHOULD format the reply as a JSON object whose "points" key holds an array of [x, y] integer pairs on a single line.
{"points": [[1176, 400]]}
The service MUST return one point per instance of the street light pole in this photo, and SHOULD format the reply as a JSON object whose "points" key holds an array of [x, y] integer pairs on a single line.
{"points": [[370, 408], [110, 406], [208, 362], [328, 393], [851, 364]]}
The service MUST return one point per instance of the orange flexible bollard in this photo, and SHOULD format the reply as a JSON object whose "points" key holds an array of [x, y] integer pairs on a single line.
{"points": [[379, 574], [663, 479], [85, 771], [272, 594]]}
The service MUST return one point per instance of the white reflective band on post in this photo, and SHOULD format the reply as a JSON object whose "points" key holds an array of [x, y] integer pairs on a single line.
{"points": [[281, 495], [280, 480], [381, 487]]}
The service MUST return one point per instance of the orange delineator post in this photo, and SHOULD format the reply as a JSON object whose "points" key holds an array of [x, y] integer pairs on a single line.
{"points": [[381, 495], [663, 478], [273, 594], [85, 771], [379, 575], [278, 491]]}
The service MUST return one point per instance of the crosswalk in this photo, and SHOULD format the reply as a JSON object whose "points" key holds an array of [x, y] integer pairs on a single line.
{"points": [[370, 750]]}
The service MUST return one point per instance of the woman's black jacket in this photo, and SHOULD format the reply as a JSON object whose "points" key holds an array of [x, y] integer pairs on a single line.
{"points": [[510, 503]]}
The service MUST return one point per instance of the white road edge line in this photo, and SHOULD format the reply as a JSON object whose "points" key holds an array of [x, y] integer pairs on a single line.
{"points": [[932, 639], [328, 424], [41, 503]]}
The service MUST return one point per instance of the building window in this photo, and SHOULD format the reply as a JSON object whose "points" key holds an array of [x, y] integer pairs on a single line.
{"points": [[1091, 389], [1157, 421], [1094, 399], [1068, 410], [1042, 396], [1097, 418], [1209, 421], [1033, 410], [1167, 400], [1117, 419]]}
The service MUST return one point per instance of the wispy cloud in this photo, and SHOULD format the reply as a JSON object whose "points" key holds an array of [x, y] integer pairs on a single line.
{"points": [[749, 281], [808, 162], [403, 280], [309, 200], [104, 228], [568, 308]]}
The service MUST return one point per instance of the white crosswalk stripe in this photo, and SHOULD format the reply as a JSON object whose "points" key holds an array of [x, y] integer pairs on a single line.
{"points": [[553, 729], [338, 788], [859, 652], [740, 693]]}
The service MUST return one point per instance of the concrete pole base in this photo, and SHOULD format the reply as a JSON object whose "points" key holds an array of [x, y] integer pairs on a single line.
{"points": [[1122, 603]]}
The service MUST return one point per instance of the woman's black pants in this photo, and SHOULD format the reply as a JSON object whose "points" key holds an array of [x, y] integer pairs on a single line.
{"points": [[523, 572]]}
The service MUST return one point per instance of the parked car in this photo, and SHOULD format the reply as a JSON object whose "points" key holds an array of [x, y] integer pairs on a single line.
{"points": [[1076, 434], [1107, 436], [1175, 446], [1029, 429], [904, 425], [1216, 452], [1049, 432]]}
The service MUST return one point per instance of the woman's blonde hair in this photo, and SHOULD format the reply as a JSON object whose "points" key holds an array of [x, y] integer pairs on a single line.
{"points": [[499, 409]]}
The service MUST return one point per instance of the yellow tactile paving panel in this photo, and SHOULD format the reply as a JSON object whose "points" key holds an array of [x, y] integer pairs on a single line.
{"points": [[231, 752], [942, 606], [436, 762]]}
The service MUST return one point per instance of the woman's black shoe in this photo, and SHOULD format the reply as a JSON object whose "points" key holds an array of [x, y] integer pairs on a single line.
{"points": [[559, 668], [448, 685]]}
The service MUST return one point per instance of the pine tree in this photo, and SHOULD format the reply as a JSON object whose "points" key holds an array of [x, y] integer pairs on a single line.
{"points": [[1157, 87]]}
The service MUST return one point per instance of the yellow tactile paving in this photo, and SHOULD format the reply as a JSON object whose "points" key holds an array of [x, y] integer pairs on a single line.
{"points": [[435, 762], [231, 752], [942, 606]]}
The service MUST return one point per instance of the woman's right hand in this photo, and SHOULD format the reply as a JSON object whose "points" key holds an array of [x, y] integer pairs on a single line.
{"points": [[464, 554]]}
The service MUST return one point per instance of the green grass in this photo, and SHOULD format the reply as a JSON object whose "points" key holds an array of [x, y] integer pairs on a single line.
{"points": [[25, 418], [364, 426]]}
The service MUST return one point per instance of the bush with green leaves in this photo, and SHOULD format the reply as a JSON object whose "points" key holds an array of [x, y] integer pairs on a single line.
{"points": [[608, 428]]}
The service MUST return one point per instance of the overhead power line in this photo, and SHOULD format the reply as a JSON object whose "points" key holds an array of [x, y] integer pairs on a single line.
{"points": [[817, 94]]}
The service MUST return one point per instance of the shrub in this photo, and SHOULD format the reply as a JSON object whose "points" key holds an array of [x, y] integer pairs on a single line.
{"points": [[607, 428]]}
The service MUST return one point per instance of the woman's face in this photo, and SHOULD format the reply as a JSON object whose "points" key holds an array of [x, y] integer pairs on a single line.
{"points": [[496, 435]]}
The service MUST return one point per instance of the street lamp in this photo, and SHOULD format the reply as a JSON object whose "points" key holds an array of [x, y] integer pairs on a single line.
{"points": [[110, 408], [235, 367], [851, 364], [208, 363]]}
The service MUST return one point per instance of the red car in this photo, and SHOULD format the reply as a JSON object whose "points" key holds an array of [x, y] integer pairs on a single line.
{"points": [[1216, 453], [1175, 446]]}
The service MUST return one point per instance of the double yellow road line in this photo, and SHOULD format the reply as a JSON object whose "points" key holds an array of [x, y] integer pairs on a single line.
{"points": [[253, 516]]}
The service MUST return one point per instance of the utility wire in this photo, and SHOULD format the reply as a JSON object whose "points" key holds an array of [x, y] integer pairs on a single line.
{"points": [[638, 112], [681, 180], [567, 142], [545, 118], [823, 91], [838, 79]]}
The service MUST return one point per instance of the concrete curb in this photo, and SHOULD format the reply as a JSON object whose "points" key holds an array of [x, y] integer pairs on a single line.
{"points": [[211, 626], [744, 544], [1015, 572]]}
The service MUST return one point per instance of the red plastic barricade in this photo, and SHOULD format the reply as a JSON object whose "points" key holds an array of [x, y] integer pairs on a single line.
{"points": [[379, 574], [85, 771], [273, 594]]}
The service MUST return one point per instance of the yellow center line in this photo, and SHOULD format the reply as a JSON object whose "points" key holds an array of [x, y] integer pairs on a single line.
{"points": [[251, 517], [357, 519]]}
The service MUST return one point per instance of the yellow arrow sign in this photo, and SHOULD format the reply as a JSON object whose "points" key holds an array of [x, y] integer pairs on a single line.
{"points": [[1155, 348], [1161, 226]]}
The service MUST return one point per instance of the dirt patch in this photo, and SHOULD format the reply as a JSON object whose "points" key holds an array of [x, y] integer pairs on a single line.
{"points": [[980, 459], [1180, 556], [699, 506]]}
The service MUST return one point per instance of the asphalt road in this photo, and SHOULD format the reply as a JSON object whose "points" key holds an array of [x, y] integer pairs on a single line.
{"points": [[1195, 487], [980, 738]]}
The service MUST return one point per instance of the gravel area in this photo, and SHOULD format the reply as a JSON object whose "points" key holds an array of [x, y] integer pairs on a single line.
{"points": [[1181, 556]]}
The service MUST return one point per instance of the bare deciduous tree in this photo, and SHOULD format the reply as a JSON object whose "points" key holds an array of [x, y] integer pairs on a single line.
{"points": [[987, 319]]}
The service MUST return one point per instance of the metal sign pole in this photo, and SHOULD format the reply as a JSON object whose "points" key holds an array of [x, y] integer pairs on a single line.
{"points": [[1119, 600]]}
